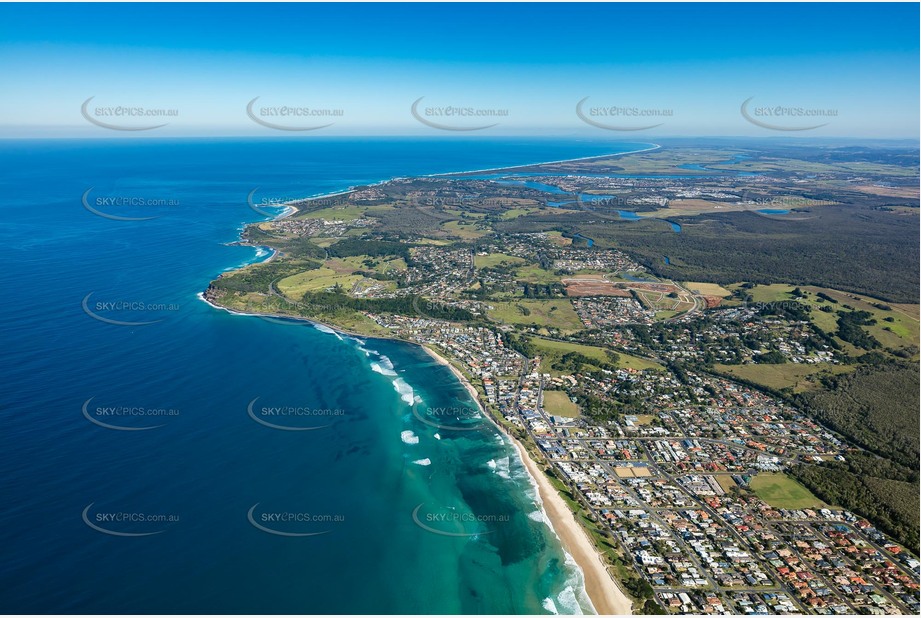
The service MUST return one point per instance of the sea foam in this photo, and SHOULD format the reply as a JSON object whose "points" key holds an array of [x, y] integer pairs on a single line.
{"points": [[500, 466], [568, 602], [323, 328], [383, 366], [405, 390]]}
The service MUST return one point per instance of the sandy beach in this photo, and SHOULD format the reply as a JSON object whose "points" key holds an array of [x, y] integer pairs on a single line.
{"points": [[606, 596], [529, 165]]}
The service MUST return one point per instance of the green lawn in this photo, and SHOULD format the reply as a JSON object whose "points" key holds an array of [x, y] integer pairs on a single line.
{"points": [[494, 259], [726, 482], [463, 230], [320, 279], [382, 264], [558, 403], [635, 362], [551, 350], [781, 491], [532, 273], [514, 213], [557, 313], [777, 377]]}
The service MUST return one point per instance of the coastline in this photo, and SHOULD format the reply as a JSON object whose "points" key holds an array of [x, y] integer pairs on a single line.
{"points": [[529, 165], [295, 318], [337, 193], [601, 588]]}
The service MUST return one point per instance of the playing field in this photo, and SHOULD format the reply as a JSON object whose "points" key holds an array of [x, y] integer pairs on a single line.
{"points": [[781, 491], [558, 403]]}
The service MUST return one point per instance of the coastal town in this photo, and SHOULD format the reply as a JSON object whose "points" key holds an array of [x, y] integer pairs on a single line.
{"points": [[669, 413], [347, 309], [672, 487]]}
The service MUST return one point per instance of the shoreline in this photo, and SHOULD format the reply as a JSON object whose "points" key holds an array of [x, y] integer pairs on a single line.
{"points": [[297, 318], [602, 589], [605, 595], [600, 586], [653, 146], [339, 192]]}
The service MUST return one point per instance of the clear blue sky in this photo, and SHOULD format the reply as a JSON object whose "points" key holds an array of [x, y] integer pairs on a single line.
{"points": [[372, 61]]}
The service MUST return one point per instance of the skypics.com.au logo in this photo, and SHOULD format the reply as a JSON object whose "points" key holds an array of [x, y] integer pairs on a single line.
{"points": [[785, 117], [106, 206], [621, 117], [291, 117], [456, 117], [125, 117]]}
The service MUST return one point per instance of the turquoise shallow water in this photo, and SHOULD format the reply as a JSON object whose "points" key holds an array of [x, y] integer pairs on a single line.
{"points": [[228, 514]]}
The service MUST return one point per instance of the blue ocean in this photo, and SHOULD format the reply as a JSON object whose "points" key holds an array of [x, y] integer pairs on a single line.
{"points": [[137, 476]]}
